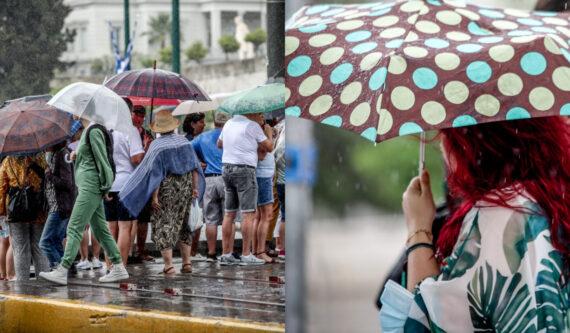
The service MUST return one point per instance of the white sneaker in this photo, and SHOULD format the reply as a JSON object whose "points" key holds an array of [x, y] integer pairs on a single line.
{"points": [[251, 260], [96, 263], [118, 272], [84, 265], [58, 275], [198, 257], [228, 259]]}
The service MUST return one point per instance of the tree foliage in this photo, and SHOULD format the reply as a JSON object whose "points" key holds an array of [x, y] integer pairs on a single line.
{"points": [[159, 29], [197, 52], [32, 39], [166, 56], [229, 44], [257, 38]]}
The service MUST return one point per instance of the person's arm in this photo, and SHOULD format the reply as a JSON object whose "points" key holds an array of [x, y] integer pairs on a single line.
{"points": [[99, 149], [195, 183], [137, 159], [136, 150], [155, 203], [419, 211]]}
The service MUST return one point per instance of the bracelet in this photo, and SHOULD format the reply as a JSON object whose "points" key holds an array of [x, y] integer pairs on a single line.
{"points": [[417, 246], [425, 231]]}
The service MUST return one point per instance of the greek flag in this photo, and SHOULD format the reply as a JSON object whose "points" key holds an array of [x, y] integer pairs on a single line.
{"points": [[121, 63]]}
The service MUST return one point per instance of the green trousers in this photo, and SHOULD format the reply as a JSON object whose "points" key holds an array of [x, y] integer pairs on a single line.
{"points": [[88, 208]]}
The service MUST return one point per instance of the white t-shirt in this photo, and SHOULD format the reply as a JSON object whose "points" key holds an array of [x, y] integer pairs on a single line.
{"points": [[266, 167], [124, 147], [241, 137]]}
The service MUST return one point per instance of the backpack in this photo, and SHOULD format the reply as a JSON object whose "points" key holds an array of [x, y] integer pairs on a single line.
{"points": [[108, 145]]}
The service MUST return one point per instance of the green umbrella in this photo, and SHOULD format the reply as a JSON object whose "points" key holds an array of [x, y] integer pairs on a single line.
{"points": [[261, 99]]}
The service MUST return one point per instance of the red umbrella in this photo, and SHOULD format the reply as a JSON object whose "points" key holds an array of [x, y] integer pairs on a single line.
{"points": [[28, 125]]}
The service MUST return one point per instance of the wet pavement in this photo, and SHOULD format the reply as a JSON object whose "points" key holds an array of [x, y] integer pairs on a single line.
{"points": [[250, 293]]}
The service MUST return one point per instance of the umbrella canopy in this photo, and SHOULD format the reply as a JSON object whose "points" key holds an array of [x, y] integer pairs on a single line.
{"points": [[96, 103], [401, 67], [28, 125], [155, 87], [261, 99], [188, 107]]}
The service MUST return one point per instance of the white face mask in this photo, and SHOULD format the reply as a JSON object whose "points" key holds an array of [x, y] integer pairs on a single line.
{"points": [[396, 303]]}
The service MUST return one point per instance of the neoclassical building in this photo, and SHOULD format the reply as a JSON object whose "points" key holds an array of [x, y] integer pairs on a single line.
{"points": [[200, 20]]}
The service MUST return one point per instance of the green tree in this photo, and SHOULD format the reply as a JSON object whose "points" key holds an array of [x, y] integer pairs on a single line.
{"points": [[197, 52], [229, 44], [32, 39], [257, 38], [159, 30], [103, 65], [166, 56]]}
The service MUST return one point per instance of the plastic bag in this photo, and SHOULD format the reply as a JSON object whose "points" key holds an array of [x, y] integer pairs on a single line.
{"points": [[195, 220]]}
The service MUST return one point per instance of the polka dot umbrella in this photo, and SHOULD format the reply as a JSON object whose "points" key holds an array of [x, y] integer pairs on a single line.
{"points": [[401, 67]]}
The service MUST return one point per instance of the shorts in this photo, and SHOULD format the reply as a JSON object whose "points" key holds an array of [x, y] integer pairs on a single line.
{"points": [[281, 196], [115, 210], [240, 187], [144, 216], [264, 191], [213, 209]]}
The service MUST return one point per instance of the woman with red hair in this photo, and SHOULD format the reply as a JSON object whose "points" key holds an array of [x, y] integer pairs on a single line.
{"points": [[501, 262]]}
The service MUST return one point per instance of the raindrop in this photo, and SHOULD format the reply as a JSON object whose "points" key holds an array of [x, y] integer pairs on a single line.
{"points": [[357, 186], [337, 183]]}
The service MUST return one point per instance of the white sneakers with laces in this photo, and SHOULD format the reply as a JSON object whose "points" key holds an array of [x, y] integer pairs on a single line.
{"points": [[118, 272], [58, 275]]}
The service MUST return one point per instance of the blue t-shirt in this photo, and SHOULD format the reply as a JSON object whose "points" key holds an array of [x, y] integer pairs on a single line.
{"points": [[206, 147]]}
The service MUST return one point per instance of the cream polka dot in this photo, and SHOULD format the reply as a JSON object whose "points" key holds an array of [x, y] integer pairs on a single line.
{"points": [[332, 55], [310, 85], [415, 52], [347, 13], [469, 14], [379, 104], [358, 15], [392, 32], [427, 27], [555, 21], [320, 105], [517, 12], [424, 10], [412, 37], [385, 122], [487, 105], [541, 98], [502, 53], [447, 61], [351, 92], [413, 19], [559, 40], [433, 113], [291, 44], [385, 21], [322, 40], [564, 30], [448, 17], [510, 84], [456, 92], [458, 36], [561, 78], [523, 39], [505, 25], [455, 3], [370, 60], [287, 94], [360, 114], [350, 25], [412, 6], [551, 45], [402, 98], [397, 65]]}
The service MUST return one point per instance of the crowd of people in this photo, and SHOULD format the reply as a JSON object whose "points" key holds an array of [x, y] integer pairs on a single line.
{"points": [[112, 185]]}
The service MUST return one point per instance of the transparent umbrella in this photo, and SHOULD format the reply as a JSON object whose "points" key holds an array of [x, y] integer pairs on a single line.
{"points": [[261, 99]]}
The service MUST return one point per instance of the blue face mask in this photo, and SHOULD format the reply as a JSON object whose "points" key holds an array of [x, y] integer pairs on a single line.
{"points": [[396, 303]]}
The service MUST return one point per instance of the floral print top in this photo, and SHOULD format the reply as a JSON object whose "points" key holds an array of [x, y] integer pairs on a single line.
{"points": [[504, 275]]}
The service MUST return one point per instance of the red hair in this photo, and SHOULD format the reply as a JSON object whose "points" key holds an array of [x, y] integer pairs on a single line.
{"points": [[490, 157]]}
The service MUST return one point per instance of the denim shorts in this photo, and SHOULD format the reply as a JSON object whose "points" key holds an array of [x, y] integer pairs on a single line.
{"points": [[264, 191], [115, 210], [214, 201], [240, 187]]}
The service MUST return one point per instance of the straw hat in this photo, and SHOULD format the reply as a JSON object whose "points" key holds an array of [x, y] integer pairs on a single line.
{"points": [[164, 122]]}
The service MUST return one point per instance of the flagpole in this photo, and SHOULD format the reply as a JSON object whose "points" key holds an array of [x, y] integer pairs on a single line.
{"points": [[127, 24]]}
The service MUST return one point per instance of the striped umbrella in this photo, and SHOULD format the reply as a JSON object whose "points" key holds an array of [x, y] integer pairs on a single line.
{"points": [[401, 67]]}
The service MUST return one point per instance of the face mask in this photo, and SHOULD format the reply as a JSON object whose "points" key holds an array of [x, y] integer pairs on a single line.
{"points": [[396, 303]]}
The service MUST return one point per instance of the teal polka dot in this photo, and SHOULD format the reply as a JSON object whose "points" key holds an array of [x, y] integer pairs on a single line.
{"points": [[364, 47], [299, 66], [491, 13], [479, 71], [335, 121], [529, 21], [333, 12], [370, 134], [434, 2], [341, 73], [488, 40], [533, 63], [380, 12], [425, 78], [367, 6], [394, 43], [313, 28], [566, 54], [517, 113], [358, 36], [293, 111], [464, 120], [378, 78], [383, 6], [565, 110], [410, 128], [469, 48], [518, 33], [542, 13], [317, 9], [475, 29], [544, 29], [436, 43]]}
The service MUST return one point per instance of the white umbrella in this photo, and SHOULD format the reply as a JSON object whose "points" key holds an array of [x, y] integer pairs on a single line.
{"points": [[189, 107], [96, 103]]}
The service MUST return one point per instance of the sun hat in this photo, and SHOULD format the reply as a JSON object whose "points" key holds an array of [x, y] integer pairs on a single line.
{"points": [[221, 118], [164, 122]]}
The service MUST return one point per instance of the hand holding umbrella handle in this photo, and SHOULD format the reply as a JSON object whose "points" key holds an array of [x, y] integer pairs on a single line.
{"points": [[418, 204]]}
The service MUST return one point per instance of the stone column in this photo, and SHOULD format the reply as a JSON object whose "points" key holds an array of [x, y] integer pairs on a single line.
{"points": [[216, 32]]}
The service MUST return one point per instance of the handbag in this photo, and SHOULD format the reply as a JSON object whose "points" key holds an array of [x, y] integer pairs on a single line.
{"points": [[195, 218], [25, 204]]}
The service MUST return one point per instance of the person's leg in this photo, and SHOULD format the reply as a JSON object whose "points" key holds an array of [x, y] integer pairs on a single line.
{"points": [[247, 232], [50, 238], [41, 262], [266, 216], [124, 239], [212, 238], [185, 252], [231, 206], [134, 230], [60, 241], [142, 232], [100, 231], [95, 246], [274, 214], [4, 244], [84, 248], [167, 257], [20, 234], [227, 232], [247, 193], [10, 266], [195, 242], [114, 229], [256, 224]]}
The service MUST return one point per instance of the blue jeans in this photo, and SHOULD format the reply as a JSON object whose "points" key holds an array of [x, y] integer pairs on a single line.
{"points": [[52, 238]]}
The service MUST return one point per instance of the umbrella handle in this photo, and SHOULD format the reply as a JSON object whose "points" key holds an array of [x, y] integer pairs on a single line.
{"points": [[422, 153]]}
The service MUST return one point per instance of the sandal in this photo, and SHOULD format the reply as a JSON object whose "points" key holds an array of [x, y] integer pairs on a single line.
{"points": [[168, 271], [186, 270]]}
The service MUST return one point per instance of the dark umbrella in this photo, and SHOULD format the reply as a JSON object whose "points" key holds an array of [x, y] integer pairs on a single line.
{"points": [[28, 125]]}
